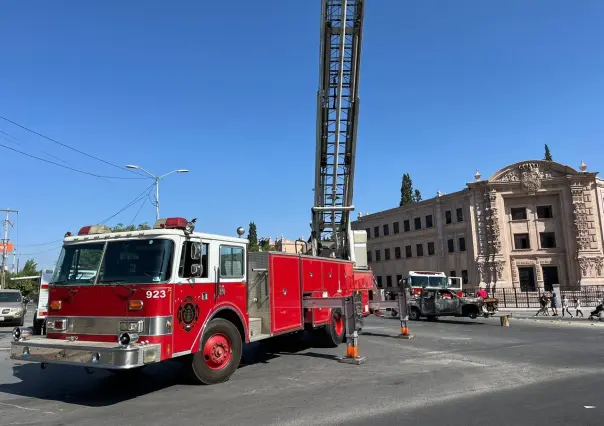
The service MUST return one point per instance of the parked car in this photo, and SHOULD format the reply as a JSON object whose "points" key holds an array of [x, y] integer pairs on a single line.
{"points": [[12, 308]]}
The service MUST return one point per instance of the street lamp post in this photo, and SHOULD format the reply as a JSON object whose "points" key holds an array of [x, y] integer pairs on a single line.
{"points": [[157, 179]]}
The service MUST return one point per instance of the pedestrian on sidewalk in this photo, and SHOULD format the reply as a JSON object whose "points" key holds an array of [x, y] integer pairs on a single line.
{"points": [[554, 304], [578, 307], [565, 305], [543, 302]]}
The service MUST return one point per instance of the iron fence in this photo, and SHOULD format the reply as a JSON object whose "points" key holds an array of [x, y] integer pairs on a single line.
{"points": [[590, 296]]}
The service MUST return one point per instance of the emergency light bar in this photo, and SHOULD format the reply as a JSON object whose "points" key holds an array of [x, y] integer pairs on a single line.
{"points": [[94, 229], [171, 223]]}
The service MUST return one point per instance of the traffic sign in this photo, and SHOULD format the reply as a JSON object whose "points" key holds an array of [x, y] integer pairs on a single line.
{"points": [[9, 247]]}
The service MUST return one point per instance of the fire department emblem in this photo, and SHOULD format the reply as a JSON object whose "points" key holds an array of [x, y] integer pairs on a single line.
{"points": [[188, 313]]}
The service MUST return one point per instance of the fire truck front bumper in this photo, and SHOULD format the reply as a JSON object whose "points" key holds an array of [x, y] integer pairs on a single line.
{"points": [[85, 353]]}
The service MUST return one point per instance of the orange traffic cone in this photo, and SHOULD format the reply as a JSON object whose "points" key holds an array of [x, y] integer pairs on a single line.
{"points": [[405, 334], [352, 351]]}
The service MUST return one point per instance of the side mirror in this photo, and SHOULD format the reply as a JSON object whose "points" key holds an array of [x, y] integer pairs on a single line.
{"points": [[196, 270], [195, 251]]}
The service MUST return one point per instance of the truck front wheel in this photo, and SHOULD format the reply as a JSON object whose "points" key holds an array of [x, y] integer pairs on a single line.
{"points": [[219, 354]]}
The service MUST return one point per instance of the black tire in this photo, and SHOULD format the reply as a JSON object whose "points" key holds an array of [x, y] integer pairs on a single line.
{"points": [[414, 314], [473, 314], [209, 370], [335, 332], [432, 317]]}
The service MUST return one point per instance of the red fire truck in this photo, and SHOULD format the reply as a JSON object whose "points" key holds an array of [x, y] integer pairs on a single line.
{"points": [[172, 292], [123, 300]]}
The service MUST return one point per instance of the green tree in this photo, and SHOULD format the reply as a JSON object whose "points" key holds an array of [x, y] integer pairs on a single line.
{"points": [[406, 190], [252, 236], [548, 154], [27, 287], [417, 196], [120, 227]]}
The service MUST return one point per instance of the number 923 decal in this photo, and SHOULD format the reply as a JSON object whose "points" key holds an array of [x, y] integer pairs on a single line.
{"points": [[155, 294]]}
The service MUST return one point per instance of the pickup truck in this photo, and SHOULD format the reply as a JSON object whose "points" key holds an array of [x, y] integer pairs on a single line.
{"points": [[439, 302]]}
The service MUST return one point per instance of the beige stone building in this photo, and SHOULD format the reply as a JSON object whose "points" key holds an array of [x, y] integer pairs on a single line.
{"points": [[528, 226]]}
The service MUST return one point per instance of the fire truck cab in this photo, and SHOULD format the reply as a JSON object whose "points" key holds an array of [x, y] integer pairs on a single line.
{"points": [[123, 300]]}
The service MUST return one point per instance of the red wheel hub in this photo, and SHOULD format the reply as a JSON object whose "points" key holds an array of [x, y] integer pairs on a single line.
{"points": [[338, 323], [217, 351]]}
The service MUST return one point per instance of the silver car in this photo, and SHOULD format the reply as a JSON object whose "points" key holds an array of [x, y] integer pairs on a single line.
{"points": [[12, 308]]}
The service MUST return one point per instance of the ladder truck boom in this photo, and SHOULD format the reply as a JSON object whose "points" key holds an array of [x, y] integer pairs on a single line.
{"points": [[337, 120]]}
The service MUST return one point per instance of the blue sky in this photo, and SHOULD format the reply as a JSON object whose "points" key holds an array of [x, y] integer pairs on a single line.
{"points": [[228, 90]]}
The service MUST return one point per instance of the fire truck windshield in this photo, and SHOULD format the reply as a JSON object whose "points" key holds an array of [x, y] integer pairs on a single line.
{"points": [[134, 261], [428, 281]]}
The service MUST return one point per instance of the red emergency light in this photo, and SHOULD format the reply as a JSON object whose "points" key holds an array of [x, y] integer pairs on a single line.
{"points": [[171, 223], [94, 229]]}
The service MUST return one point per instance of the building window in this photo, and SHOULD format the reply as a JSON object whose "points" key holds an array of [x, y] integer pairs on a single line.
{"points": [[521, 242], [369, 256], [462, 244], [518, 213], [398, 279], [451, 245], [378, 255], [545, 212], [448, 217], [429, 221], [420, 250], [368, 232], [386, 230], [387, 254], [418, 223], [452, 274], [388, 280], [548, 240], [376, 231], [395, 227], [430, 249], [406, 226], [379, 281], [397, 252], [459, 212], [407, 251], [464, 276]]}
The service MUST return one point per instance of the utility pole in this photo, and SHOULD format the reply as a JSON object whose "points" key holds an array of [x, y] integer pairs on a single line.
{"points": [[5, 240]]}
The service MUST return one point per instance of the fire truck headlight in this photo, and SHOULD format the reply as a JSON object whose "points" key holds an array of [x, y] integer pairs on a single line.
{"points": [[127, 339]]}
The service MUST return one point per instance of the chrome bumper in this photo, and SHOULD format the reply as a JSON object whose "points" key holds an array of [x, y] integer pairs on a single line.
{"points": [[84, 353]]}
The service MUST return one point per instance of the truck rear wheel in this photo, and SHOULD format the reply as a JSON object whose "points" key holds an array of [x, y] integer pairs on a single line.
{"points": [[335, 332], [414, 314], [219, 354]]}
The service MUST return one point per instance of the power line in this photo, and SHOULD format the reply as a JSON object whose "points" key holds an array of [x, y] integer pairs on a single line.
{"points": [[39, 252], [65, 145], [19, 142], [41, 244], [67, 167], [144, 201], [131, 203]]}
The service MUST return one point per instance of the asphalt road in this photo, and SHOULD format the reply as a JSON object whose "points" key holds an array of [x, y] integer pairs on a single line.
{"points": [[453, 372]]}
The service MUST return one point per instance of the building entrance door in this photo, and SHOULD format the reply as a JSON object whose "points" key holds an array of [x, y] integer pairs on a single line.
{"points": [[527, 278], [550, 277]]}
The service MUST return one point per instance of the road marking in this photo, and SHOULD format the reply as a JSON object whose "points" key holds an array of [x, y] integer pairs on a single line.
{"points": [[24, 408], [589, 406]]}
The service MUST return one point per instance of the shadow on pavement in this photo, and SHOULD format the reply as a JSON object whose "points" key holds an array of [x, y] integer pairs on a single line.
{"points": [[74, 385]]}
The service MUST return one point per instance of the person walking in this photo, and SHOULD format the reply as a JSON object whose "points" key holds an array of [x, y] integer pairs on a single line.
{"points": [[543, 302], [578, 307], [565, 306], [554, 304]]}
